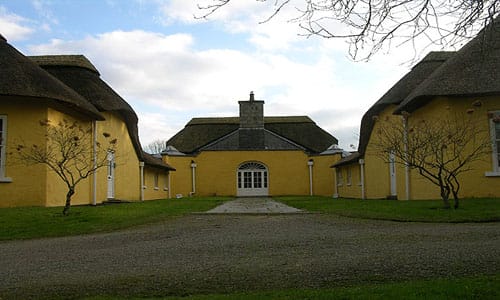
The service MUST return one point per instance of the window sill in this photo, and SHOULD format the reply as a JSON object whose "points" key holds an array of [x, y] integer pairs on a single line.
{"points": [[5, 179], [492, 174], [156, 188], [165, 189]]}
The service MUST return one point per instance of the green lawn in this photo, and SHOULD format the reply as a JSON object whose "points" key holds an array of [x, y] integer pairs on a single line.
{"points": [[37, 222], [483, 287], [471, 210]]}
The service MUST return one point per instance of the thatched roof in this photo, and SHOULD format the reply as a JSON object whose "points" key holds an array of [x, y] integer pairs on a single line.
{"points": [[155, 162], [299, 130], [19, 76], [77, 72], [399, 91], [395, 95], [350, 159], [473, 71]]}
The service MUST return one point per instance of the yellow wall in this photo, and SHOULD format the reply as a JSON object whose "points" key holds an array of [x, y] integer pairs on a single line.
{"points": [[352, 189], [377, 176], [127, 170], [216, 172], [39, 186], [150, 191], [474, 183], [28, 182]]}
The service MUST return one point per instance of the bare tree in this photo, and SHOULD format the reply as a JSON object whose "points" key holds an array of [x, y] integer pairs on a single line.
{"points": [[371, 25], [439, 149], [156, 146], [70, 152]]}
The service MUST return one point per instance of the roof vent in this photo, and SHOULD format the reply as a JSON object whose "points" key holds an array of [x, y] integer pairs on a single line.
{"points": [[252, 97]]}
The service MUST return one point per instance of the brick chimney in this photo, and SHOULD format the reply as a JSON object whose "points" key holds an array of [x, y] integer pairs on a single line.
{"points": [[251, 113], [251, 134]]}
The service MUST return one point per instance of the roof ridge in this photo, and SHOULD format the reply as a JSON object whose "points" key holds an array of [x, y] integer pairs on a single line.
{"points": [[66, 60]]}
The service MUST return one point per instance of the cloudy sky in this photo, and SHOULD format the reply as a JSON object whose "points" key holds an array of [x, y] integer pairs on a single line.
{"points": [[172, 67]]}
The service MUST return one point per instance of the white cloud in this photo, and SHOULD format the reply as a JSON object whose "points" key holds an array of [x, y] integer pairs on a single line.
{"points": [[14, 27], [168, 81]]}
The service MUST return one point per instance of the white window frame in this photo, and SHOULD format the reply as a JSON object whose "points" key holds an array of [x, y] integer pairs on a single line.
{"points": [[3, 146], [495, 151], [156, 180], [340, 179], [349, 175]]}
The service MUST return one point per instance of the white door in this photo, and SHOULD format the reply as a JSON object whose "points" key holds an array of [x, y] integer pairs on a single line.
{"points": [[392, 174], [252, 180], [111, 175]]}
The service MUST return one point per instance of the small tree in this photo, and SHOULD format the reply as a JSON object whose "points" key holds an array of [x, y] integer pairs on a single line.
{"points": [[439, 149], [70, 152], [156, 146]]}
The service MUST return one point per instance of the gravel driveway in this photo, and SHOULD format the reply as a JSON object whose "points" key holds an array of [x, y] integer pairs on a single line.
{"points": [[225, 253]]}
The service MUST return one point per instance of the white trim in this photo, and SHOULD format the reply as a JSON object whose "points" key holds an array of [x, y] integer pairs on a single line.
{"points": [[494, 148], [392, 174], [141, 175], [362, 177], [340, 178], [348, 175], [3, 143], [257, 178], [492, 174], [94, 157]]}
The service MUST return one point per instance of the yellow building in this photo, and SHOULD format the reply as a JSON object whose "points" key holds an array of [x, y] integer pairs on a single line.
{"points": [[59, 88], [444, 86], [252, 155]]}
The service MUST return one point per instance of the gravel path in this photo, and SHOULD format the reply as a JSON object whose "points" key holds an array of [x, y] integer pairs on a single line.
{"points": [[226, 253]]}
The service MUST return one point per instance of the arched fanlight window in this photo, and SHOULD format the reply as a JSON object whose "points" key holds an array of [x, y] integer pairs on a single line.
{"points": [[252, 166]]}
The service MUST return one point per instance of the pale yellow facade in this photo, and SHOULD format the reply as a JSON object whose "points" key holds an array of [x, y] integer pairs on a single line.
{"points": [[480, 181], [37, 185], [215, 172]]}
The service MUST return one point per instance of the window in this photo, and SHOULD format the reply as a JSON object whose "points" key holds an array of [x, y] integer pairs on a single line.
{"points": [[3, 145], [495, 139], [156, 181], [349, 175], [340, 180]]}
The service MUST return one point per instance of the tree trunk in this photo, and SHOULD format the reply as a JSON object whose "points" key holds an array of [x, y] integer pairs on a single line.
{"points": [[445, 195], [71, 192]]}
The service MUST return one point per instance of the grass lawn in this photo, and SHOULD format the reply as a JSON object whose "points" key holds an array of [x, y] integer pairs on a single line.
{"points": [[37, 222], [483, 287], [471, 210]]}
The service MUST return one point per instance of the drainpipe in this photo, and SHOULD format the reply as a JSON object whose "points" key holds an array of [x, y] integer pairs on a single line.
{"points": [[336, 188], [407, 167], [362, 177], [168, 185], [94, 175], [310, 163], [193, 175], [141, 168]]}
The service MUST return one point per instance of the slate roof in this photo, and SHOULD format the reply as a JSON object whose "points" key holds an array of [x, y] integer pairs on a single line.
{"points": [[297, 132], [474, 70], [19, 76], [77, 72], [395, 95]]}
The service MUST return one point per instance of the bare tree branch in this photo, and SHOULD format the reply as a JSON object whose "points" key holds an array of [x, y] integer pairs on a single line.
{"points": [[69, 152], [371, 25]]}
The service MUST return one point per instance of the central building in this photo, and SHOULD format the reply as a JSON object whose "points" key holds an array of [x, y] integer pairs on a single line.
{"points": [[252, 155]]}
